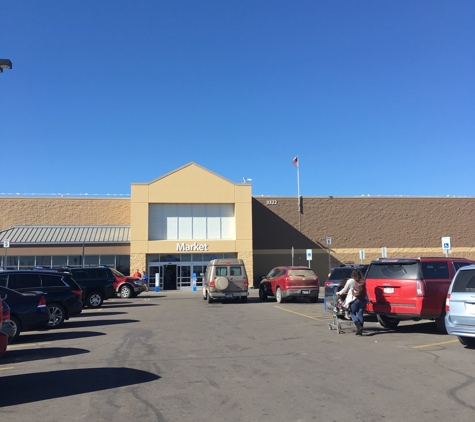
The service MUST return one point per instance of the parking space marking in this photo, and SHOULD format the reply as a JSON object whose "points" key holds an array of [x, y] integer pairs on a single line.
{"points": [[435, 344], [4, 369], [19, 346], [298, 313]]}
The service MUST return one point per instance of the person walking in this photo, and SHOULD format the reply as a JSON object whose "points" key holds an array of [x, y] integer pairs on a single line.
{"points": [[356, 299], [137, 274], [145, 278]]}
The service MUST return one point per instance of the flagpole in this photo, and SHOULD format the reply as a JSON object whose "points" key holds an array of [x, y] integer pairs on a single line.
{"points": [[298, 182]]}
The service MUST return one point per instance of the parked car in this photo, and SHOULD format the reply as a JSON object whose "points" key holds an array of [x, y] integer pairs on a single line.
{"points": [[410, 288], [338, 274], [289, 283], [460, 306], [3, 336], [62, 293], [225, 279], [97, 284], [127, 286], [6, 327], [28, 311]]}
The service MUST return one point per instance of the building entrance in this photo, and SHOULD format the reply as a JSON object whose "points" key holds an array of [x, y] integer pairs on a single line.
{"points": [[176, 276]]}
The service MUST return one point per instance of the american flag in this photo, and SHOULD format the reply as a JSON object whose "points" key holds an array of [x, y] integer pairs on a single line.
{"points": [[295, 161]]}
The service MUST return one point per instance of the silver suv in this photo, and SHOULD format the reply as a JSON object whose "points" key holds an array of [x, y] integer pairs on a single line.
{"points": [[460, 306], [225, 279]]}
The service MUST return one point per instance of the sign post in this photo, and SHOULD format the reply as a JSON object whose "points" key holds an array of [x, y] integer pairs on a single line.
{"points": [[446, 245], [329, 242], [384, 252], [362, 256], [6, 245], [292, 256], [309, 256]]}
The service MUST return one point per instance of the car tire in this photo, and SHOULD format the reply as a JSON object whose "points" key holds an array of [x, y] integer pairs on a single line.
{"points": [[467, 341], [94, 300], [313, 299], [387, 322], [56, 315], [278, 296], [440, 323], [204, 294], [262, 294], [125, 292], [210, 300], [16, 325], [243, 299]]}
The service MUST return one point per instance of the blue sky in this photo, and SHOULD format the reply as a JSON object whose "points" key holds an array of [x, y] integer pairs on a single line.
{"points": [[375, 97]]}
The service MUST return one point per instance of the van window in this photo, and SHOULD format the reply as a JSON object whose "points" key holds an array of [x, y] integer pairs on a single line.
{"points": [[102, 273], [464, 282], [235, 271], [221, 271], [435, 270], [80, 274], [3, 280], [394, 271]]}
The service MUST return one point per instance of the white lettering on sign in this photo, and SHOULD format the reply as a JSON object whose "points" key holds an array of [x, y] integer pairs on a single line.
{"points": [[272, 202], [194, 247]]}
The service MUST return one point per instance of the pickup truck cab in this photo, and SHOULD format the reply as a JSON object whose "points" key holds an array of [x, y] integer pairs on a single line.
{"points": [[287, 283]]}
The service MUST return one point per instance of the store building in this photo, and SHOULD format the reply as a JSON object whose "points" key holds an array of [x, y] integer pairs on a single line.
{"points": [[174, 225]]}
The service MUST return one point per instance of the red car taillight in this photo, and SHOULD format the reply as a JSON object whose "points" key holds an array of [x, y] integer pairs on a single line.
{"points": [[246, 283], [6, 315], [211, 283], [78, 292], [447, 303], [42, 302], [420, 288], [327, 283]]}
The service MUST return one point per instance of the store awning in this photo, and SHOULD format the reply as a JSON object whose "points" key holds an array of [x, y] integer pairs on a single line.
{"points": [[54, 235]]}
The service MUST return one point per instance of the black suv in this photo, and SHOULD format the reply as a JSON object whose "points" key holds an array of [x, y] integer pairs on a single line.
{"points": [[340, 273], [62, 293], [97, 284]]}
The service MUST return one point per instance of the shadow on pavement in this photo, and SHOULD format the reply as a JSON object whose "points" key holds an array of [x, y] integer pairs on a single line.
{"points": [[54, 335], [97, 322], [27, 355], [29, 388]]}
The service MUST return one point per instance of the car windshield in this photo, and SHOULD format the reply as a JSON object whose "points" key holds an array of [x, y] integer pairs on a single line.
{"points": [[404, 271], [301, 273], [464, 282], [117, 273]]}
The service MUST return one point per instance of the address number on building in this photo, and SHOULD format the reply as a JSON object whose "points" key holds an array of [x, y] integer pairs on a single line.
{"points": [[271, 202]]}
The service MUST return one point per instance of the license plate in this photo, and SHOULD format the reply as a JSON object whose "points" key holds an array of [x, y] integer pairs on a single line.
{"points": [[389, 290], [229, 295], [305, 292], [470, 307]]}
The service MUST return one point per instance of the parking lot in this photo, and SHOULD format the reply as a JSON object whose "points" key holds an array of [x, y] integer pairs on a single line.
{"points": [[170, 356]]}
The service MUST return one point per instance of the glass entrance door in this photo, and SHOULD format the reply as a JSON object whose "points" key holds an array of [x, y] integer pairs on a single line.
{"points": [[153, 270], [184, 277]]}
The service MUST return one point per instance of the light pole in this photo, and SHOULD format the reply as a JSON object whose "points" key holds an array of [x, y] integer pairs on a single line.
{"points": [[5, 64]]}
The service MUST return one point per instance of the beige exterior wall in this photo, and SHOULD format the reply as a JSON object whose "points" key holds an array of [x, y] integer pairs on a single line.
{"points": [[190, 184], [405, 226], [63, 211]]}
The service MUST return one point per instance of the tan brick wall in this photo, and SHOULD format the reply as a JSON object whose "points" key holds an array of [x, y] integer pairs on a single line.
{"points": [[405, 226], [63, 211]]}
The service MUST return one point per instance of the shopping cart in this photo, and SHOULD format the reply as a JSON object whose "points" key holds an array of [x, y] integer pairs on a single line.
{"points": [[338, 314]]}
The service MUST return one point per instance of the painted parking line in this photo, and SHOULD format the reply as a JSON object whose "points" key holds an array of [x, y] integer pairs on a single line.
{"points": [[298, 313], [6, 368], [435, 344], [19, 346]]}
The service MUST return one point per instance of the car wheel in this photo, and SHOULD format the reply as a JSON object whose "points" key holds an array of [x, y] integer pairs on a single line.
{"points": [[243, 298], [16, 325], [278, 296], [387, 322], [94, 300], [204, 294], [467, 341], [440, 323], [262, 293], [56, 315], [313, 299], [125, 292], [210, 300]]}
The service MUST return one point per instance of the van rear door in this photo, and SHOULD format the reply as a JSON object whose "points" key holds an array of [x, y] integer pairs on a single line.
{"points": [[462, 299]]}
